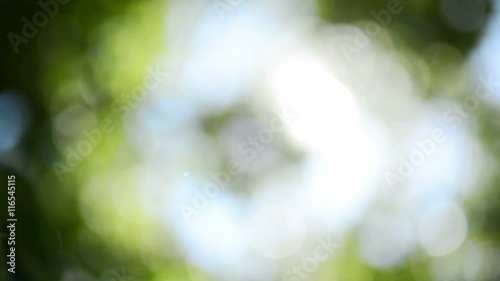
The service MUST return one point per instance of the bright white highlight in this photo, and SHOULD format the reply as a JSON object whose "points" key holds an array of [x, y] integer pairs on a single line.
{"points": [[342, 154], [324, 107]]}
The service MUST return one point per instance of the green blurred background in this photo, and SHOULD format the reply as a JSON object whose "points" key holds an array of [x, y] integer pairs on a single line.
{"points": [[180, 85]]}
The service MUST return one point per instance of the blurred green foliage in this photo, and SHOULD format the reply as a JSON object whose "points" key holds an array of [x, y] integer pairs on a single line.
{"points": [[110, 43]]}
